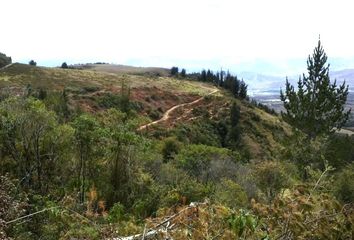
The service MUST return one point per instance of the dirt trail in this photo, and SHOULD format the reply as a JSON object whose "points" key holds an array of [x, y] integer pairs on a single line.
{"points": [[166, 115], [9, 65]]}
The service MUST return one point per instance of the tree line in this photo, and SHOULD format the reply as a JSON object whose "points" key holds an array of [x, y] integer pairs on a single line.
{"points": [[223, 79]]}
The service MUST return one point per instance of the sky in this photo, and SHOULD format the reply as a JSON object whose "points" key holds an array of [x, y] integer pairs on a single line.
{"points": [[265, 36]]}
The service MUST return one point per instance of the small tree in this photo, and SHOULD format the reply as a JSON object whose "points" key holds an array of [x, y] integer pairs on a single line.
{"points": [[183, 73], [64, 65], [317, 106], [32, 63], [243, 90], [235, 114], [174, 71]]}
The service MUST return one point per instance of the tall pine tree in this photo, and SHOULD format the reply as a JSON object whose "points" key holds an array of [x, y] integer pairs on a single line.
{"points": [[317, 106]]}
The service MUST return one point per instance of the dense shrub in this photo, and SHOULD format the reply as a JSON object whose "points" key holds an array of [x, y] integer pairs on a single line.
{"points": [[170, 147], [271, 177], [344, 184], [230, 194]]}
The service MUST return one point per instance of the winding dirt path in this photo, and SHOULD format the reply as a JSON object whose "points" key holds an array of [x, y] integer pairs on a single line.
{"points": [[9, 65], [166, 115]]}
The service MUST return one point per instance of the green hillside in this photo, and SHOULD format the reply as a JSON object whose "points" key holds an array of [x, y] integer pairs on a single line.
{"points": [[117, 152], [153, 95]]}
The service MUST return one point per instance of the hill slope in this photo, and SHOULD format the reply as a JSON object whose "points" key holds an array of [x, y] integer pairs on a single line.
{"points": [[91, 88], [97, 155]]}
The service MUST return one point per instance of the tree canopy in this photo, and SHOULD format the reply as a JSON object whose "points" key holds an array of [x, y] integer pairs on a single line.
{"points": [[317, 105], [32, 63]]}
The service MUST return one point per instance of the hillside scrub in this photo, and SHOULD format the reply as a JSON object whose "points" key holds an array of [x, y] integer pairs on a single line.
{"points": [[225, 169]]}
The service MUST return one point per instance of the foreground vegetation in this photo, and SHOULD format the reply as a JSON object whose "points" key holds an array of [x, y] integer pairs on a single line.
{"points": [[221, 169]]}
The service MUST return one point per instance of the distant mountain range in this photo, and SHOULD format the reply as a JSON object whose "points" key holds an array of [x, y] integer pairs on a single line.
{"points": [[267, 84], [266, 89]]}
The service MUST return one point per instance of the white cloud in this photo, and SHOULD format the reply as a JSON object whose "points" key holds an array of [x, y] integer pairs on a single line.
{"points": [[226, 31]]}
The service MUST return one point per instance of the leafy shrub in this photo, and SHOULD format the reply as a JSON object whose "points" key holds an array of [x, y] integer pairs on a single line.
{"points": [[110, 100], [200, 161], [344, 184], [193, 191], [339, 151], [271, 177], [199, 132], [170, 198], [230, 194], [116, 213], [243, 224], [154, 114], [79, 231], [170, 147]]}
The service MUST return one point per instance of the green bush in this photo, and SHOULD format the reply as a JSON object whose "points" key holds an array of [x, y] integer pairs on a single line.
{"points": [[170, 198], [116, 213], [344, 184], [230, 194], [199, 132], [154, 114], [80, 231], [271, 177], [170, 147]]}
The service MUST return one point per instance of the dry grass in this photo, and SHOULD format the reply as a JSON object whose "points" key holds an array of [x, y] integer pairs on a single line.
{"points": [[20, 75], [123, 69]]}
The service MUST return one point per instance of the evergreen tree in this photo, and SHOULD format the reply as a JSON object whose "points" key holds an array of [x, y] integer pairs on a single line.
{"points": [[217, 80], [317, 106], [64, 65], [183, 73], [203, 76], [235, 114], [235, 131], [236, 87], [243, 90], [222, 73], [174, 71], [209, 76], [228, 81], [32, 63]]}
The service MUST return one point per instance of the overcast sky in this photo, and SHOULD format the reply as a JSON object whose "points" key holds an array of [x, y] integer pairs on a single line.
{"points": [[242, 35]]}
